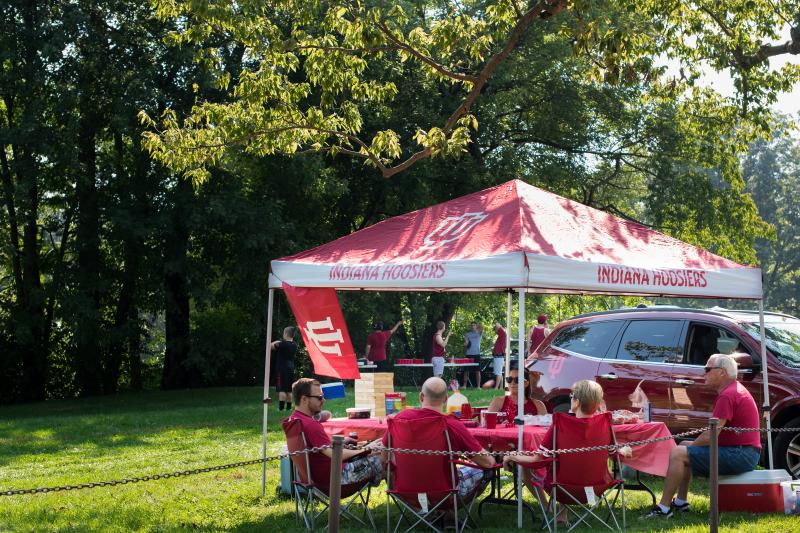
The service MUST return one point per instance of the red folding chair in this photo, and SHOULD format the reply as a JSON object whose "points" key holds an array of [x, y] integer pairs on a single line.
{"points": [[309, 493], [583, 480], [422, 486]]}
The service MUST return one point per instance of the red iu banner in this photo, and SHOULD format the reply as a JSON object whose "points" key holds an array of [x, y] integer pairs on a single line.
{"points": [[322, 325]]}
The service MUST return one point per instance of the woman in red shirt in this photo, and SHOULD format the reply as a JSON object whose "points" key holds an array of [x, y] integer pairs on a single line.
{"points": [[509, 404]]}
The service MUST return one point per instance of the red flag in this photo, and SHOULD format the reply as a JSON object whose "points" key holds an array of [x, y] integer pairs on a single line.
{"points": [[324, 332]]}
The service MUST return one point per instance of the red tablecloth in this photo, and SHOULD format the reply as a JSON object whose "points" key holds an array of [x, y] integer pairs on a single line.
{"points": [[649, 458]]}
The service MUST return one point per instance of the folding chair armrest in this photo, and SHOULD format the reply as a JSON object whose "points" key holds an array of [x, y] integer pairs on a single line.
{"points": [[541, 463]]}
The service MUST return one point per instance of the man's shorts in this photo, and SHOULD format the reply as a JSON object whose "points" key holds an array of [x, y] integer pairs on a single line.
{"points": [[285, 377], [438, 365], [471, 479], [362, 469], [498, 364], [732, 459]]}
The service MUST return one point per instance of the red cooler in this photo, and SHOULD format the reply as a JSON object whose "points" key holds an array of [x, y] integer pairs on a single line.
{"points": [[758, 491]]}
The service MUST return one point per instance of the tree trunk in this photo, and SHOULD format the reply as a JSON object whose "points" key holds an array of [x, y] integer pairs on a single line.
{"points": [[440, 308], [30, 330], [29, 320], [175, 374], [88, 349]]}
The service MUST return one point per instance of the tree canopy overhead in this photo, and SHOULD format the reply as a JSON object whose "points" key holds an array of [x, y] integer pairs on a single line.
{"points": [[315, 69]]}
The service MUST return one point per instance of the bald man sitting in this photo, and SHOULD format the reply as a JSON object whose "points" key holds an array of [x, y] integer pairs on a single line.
{"points": [[432, 399]]}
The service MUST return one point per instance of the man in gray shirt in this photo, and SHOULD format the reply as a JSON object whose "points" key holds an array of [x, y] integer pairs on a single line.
{"points": [[472, 345]]}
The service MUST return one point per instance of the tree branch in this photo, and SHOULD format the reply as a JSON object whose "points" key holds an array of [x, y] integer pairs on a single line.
{"points": [[422, 57], [543, 9]]}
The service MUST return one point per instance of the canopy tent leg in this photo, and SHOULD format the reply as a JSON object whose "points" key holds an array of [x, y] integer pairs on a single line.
{"points": [[508, 331], [520, 397], [765, 376], [267, 350]]}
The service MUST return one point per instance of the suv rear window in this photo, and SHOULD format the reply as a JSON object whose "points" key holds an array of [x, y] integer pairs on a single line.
{"points": [[588, 338], [654, 341]]}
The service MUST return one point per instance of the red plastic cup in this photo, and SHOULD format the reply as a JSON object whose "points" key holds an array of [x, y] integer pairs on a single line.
{"points": [[466, 411], [490, 419]]}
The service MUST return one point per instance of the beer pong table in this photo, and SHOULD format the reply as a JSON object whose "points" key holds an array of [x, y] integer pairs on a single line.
{"points": [[414, 366]]}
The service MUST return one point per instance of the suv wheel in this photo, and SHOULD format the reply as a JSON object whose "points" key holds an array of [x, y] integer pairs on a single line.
{"points": [[787, 449]]}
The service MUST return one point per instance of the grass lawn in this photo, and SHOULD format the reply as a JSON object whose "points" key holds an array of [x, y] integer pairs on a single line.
{"points": [[79, 441]]}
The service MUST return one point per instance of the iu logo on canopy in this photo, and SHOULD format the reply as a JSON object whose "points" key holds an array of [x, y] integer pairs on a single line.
{"points": [[452, 229]]}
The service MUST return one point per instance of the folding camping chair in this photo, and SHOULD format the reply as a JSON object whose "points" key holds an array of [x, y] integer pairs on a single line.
{"points": [[308, 493], [583, 479], [423, 487]]}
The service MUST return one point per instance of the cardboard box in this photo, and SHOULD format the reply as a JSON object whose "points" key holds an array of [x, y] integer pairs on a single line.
{"points": [[758, 491]]}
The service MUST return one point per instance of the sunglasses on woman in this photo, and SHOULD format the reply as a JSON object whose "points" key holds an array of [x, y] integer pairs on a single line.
{"points": [[513, 380]]}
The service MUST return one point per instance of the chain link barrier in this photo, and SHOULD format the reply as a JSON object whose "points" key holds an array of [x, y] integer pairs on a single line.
{"points": [[155, 477], [610, 448]]}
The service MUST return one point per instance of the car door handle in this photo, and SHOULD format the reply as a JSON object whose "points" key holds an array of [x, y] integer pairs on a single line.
{"points": [[608, 376], [684, 382]]}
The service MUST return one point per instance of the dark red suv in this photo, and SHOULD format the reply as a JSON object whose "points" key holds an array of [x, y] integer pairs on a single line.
{"points": [[664, 349]]}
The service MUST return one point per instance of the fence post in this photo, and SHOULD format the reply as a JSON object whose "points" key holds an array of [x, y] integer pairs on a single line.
{"points": [[335, 492], [713, 518]]}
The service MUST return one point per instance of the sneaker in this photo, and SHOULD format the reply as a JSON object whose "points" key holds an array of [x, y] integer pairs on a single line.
{"points": [[683, 508], [656, 512]]}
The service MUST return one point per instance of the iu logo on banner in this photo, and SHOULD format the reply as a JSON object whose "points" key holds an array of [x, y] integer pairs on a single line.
{"points": [[324, 331]]}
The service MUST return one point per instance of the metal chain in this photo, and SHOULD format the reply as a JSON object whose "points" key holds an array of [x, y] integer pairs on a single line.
{"points": [[155, 477], [762, 430], [316, 449]]}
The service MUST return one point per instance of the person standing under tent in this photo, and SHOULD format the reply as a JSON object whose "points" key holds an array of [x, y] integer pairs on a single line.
{"points": [[472, 345], [376, 344], [499, 355], [539, 332], [439, 349], [285, 350]]}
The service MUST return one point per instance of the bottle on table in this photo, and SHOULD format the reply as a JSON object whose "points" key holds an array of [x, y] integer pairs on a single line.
{"points": [[456, 400]]}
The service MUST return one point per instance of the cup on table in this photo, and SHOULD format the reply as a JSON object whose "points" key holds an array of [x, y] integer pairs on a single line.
{"points": [[489, 419], [466, 411]]}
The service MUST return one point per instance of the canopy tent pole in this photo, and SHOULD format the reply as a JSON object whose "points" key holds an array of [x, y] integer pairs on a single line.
{"points": [[508, 332], [765, 371], [520, 397], [267, 350]]}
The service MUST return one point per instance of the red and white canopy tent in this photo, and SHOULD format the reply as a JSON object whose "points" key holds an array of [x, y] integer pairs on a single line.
{"points": [[517, 237]]}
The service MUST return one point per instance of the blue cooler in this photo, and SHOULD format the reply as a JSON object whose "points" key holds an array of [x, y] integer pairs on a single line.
{"points": [[285, 486], [334, 390]]}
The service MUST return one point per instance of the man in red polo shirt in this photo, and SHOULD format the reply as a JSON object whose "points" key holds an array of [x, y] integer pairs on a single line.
{"points": [[376, 345], [738, 452], [432, 399], [308, 400]]}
